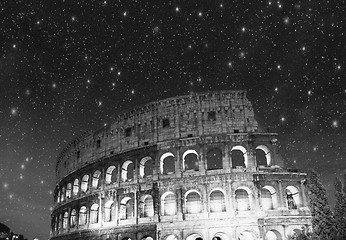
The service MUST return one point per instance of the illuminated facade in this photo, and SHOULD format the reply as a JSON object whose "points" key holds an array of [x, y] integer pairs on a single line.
{"points": [[192, 167]]}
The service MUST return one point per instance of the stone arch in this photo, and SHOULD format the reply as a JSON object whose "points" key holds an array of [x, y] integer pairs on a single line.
{"points": [[292, 197], [273, 235], [75, 188], [58, 196], [127, 171], [73, 218], [147, 238], [195, 236], [239, 156], [68, 190], [94, 213], [217, 202], [147, 206], [109, 211], [220, 236], [168, 204], [263, 156], [146, 167], [243, 198], [62, 194], [190, 160], [170, 237], [96, 179], [193, 202], [269, 199], [82, 215], [214, 159], [126, 208], [110, 175], [65, 220], [167, 163], [85, 183]]}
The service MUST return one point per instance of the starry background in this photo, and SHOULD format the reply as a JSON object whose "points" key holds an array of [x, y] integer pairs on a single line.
{"points": [[67, 66]]}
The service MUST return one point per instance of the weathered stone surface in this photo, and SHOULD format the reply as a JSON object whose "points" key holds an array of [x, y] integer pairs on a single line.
{"points": [[187, 167]]}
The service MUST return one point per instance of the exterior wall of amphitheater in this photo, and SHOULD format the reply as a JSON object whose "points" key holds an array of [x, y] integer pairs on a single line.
{"points": [[190, 167]]}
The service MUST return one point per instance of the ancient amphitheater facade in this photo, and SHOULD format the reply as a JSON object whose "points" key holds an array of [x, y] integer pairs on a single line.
{"points": [[193, 167]]}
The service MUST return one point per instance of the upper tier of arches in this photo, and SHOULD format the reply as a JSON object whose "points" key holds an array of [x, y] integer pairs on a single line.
{"points": [[182, 117], [191, 161]]}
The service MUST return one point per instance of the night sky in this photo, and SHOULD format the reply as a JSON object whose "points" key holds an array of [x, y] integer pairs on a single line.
{"points": [[70, 66]]}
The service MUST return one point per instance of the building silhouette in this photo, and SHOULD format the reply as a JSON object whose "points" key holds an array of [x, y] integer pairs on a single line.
{"points": [[194, 167]]}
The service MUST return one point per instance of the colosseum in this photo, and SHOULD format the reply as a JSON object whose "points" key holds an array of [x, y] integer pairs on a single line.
{"points": [[194, 167]]}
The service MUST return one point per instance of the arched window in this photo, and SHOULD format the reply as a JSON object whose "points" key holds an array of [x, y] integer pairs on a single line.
{"points": [[127, 171], [273, 235], [242, 199], [58, 197], [167, 163], [268, 198], [110, 175], [94, 213], [82, 216], [85, 183], [146, 167], [217, 201], [56, 224], [292, 197], [220, 236], [147, 206], [65, 221], [75, 187], [263, 156], [73, 218], [68, 190], [147, 238], [171, 237], [190, 160], [194, 236], [239, 157], [109, 211], [169, 204], [62, 196], [126, 208], [95, 180], [214, 159], [193, 202]]}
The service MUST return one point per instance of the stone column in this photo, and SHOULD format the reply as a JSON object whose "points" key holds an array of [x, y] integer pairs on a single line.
{"points": [[180, 204], [282, 204], [202, 161], [303, 194]]}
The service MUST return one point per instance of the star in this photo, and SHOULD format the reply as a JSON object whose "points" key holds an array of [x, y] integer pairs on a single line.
{"points": [[335, 124], [14, 111], [125, 14], [286, 20], [177, 9]]}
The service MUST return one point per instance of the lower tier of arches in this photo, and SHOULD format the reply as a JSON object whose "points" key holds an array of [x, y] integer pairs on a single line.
{"points": [[248, 228]]}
